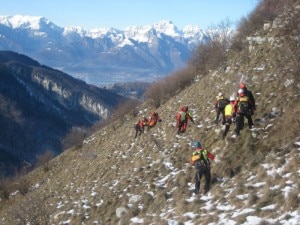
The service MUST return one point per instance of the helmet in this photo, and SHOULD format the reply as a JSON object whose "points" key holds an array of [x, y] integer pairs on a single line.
{"points": [[242, 86], [220, 94], [231, 99], [197, 144], [241, 92]]}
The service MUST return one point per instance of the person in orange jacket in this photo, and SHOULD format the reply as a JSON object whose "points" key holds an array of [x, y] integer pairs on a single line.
{"points": [[153, 119], [140, 125], [182, 118], [201, 161]]}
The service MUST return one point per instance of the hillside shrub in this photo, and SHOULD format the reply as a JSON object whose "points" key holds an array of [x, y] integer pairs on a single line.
{"points": [[74, 138], [44, 159], [160, 92], [23, 185], [32, 211], [5, 188]]}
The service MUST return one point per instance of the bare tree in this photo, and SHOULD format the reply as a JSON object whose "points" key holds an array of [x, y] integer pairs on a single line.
{"points": [[44, 159], [32, 211], [212, 54]]}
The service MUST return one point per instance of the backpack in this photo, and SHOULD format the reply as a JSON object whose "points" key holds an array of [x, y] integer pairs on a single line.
{"points": [[229, 110], [222, 103], [202, 153], [200, 159], [182, 116], [243, 105]]}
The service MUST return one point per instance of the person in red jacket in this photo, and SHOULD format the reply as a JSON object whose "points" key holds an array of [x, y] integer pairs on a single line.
{"points": [[250, 96], [153, 119], [182, 118], [140, 125]]}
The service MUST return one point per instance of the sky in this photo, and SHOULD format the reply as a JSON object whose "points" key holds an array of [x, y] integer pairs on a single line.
{"points": [[120, 14]]}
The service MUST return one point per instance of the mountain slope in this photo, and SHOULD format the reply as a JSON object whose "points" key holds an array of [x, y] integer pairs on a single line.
{"points": [[39, 106], [116, 179]]}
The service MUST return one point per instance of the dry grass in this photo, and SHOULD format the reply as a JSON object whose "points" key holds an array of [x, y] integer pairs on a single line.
{"points": [[114, 166], [292, 201]]}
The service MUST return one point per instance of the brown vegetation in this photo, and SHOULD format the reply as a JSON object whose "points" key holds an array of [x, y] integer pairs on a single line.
{"points": [[245, 172]]}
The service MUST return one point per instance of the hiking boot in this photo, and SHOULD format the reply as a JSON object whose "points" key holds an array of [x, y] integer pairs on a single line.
{"points": [[204, 192]]}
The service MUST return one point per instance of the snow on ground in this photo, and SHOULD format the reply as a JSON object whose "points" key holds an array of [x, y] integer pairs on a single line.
{"points": [[227, 212]]}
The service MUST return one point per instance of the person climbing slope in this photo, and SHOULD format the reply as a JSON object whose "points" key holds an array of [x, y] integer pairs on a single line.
{"points": [[229, 116], [182, 118], [153, 119], [242, 108], [220, 104], [200, 160], [250, 96], [140, 125]]}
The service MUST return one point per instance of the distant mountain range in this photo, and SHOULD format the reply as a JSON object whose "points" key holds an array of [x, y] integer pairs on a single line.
{"points": [[40, 105], [102, 56]]}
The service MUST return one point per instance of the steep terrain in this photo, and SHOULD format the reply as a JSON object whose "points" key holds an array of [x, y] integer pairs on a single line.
{"points": [[116, 179], [40, 105]]}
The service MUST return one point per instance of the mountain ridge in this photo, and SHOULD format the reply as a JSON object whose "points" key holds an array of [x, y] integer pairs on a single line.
{"points": [[40, 105], [99, 56]]}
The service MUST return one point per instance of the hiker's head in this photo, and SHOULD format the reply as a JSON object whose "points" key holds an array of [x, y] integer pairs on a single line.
{"points": [[197, 144], [186, 108], [242, 86], [220, 94], [231, 99], [241, 92]]}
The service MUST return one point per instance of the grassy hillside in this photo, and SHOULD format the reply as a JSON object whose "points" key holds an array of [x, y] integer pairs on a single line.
{"points": [[116, 179]]}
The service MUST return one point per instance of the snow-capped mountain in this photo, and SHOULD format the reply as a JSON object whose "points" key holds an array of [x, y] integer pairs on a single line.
{"points": [[103, 55]]}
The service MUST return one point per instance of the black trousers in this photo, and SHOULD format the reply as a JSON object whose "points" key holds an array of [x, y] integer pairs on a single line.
{"points": [[220, 112], [198, 176], [138, 130], [228, 123], [240, 121]]}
